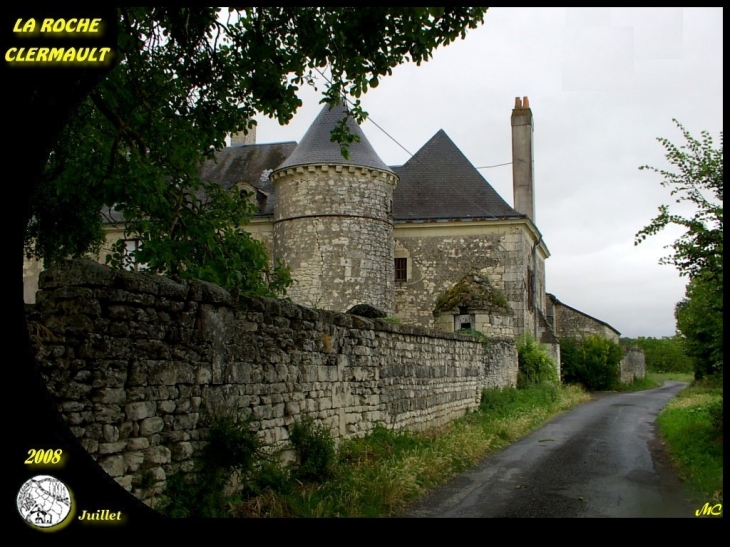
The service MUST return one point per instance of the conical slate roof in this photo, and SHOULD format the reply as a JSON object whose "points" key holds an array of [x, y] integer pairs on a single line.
{"points": [[438, 182], [316, 147]]}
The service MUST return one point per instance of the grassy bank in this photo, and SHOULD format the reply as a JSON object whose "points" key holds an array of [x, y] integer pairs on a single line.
{"points": [[377, 475], [655, 379], [691, 425]]}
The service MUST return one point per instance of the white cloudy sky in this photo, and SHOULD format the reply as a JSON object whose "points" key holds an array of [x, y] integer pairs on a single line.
{"points": [[603, 84]]}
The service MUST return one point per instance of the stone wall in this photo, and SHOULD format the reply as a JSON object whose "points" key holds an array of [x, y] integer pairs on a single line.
{"points": [[138, 364], [439, 254], [569, 322], [633, 365], [333, 227]]}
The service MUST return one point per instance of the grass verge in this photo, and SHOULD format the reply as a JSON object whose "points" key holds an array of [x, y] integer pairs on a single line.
{"points": [[691, 425], [379, 474]]}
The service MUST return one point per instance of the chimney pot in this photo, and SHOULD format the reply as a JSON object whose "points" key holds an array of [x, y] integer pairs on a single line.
{"points": [[526, 103], [518, 102]]}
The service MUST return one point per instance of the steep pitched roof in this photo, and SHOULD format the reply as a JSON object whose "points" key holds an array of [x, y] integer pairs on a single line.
{"points": [[316, 147], [249, 163], [439, 182]]}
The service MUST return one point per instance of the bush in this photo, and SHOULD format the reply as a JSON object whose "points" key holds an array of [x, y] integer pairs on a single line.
{"points": [[716, 418], [315, 449], [593, 362], [535, 365], [497, 400], [232, 448]]}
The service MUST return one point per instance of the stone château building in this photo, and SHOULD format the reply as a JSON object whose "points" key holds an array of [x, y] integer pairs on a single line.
{"points": [[400, 238], [429, 242]]}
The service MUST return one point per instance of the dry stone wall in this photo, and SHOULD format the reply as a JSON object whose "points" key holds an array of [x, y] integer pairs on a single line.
{"points": [[139, 363], [633, 365]]}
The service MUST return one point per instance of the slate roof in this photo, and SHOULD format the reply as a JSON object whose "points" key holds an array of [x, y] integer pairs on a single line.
{"points": [[438, 182], [316, 147], [251, 163]]}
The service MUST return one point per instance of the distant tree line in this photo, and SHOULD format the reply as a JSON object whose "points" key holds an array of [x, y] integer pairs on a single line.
{"points": [[666, 354]]}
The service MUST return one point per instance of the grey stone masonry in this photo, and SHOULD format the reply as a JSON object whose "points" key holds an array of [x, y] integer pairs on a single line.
{"points": [[633, 365], [139, 363]]}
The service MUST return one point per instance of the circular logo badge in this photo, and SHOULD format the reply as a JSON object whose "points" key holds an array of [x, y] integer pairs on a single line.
{"points": [[44, 501]]}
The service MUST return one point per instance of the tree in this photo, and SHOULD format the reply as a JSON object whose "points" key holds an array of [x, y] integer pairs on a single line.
{"points": [[699, 181], [43, 103], [592, 361], [699, 322], [666, 354], [698, 253], [186, 78]]}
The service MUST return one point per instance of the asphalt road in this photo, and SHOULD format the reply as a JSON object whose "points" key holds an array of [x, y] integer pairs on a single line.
{"points": [[601, 459]]}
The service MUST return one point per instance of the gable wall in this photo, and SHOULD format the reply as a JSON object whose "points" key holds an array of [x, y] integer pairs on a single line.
{"points": [[570, 322], [441, 253]]}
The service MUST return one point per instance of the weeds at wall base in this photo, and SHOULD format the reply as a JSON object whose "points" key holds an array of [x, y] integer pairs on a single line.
{"points": [[378, 475]]}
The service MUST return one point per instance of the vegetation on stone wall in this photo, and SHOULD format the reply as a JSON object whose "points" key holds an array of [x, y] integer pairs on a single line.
{"points": [[372, 476], [474, 291], [592, 361], [666, 354], [477, 335], [377, 475], [535, 365], [233, 453], [315, 449]]}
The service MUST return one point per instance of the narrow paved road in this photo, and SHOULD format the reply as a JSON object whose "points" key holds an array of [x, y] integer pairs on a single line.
{"points": [[598, 460]]}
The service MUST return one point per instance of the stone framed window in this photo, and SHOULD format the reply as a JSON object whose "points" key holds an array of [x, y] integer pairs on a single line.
{"points": [[530, 289], [128, 260], [401, 269]]}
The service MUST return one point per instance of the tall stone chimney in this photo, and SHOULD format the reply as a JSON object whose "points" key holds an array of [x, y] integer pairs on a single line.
{"points": [[523, 177], [240, 138]]}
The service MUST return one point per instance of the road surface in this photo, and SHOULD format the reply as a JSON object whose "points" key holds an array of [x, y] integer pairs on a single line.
{"points": [[601, 459]]}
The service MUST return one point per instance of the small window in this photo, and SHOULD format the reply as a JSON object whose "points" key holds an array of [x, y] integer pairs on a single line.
{"points": [[530, 290], [401, 269], [128, 260]]}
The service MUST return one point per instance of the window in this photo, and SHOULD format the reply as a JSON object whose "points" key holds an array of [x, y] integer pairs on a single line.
{"points": [[401, 269], [530, 290], [130, 246]]}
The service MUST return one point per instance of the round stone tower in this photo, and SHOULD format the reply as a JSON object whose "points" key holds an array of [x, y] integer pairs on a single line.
{"points": [[333, 223]]}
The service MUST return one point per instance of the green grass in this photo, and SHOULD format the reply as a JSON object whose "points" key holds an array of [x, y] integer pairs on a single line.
{"points": [[660, 377], [640, 384], [691, 425], [379, 474], [654, 379]]}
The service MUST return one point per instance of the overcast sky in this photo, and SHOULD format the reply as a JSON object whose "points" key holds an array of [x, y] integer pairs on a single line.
{"points": [[603, 84]]}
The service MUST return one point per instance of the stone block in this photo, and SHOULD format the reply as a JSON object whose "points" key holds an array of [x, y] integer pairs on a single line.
{"points": [[158, 455], [137, 443], [112, 448], [140, 411], [181, 451], [150, 426], [113, 465]]}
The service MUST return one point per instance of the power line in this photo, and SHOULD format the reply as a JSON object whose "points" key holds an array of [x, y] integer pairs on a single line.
{"points": [[490, 166]]}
